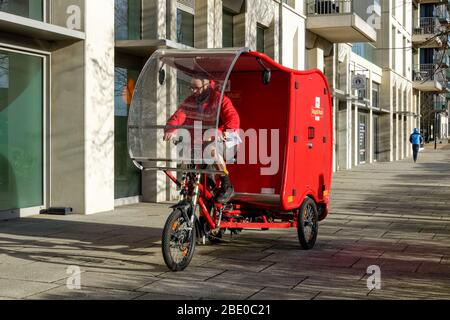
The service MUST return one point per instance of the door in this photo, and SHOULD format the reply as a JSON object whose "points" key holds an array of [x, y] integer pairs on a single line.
{"points": [[313, 136], [21, 132], [127, 178]]}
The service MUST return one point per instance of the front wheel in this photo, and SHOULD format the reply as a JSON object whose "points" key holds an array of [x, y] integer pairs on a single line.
{"points": [[308, 224], [178, 242]]}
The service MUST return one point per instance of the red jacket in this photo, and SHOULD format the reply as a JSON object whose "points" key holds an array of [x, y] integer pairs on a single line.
{"points": [[189, 112]]}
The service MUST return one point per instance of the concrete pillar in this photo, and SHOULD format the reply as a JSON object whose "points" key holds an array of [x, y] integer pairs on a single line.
{"points": [[272, 38], [82, 112], [245, 25], [171, 19], [315, 59], [154, 15], [99, 106], [342, 138], [67, 178], [208, 23]]}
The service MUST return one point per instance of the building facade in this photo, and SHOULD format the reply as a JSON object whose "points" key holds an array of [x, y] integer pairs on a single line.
{"points": [[431, 66], [68, 70]]}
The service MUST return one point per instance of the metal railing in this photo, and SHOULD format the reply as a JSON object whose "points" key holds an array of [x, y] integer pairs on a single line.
{"points": [[429, 72], [329, 7], [428, 25]]}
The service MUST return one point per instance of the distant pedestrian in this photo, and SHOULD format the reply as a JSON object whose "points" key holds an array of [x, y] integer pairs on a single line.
{"points": [[416, 140]]}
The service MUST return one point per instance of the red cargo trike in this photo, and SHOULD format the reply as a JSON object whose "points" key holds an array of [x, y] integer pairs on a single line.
{"points": [[282, 171]]}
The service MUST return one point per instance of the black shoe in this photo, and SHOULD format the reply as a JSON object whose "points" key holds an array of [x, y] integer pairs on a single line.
{"points": [[226, 191]]}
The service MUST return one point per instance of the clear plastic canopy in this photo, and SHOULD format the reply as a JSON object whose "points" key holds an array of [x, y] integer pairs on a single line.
{"points": [[178, 95]]}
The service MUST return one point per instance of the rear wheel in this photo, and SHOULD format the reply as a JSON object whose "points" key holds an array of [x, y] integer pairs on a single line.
{"points": [[308, 224], [178, 242]]}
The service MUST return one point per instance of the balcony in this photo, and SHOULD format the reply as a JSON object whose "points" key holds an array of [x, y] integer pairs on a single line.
{"points": [[429, 78], [338, 21], [426, 35]]}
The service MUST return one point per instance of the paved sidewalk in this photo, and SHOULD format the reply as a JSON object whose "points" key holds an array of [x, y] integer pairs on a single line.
{"points": [[393, 215]]}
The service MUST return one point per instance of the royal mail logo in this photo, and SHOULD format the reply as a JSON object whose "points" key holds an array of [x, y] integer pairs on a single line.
{"points": [[317, 113]]}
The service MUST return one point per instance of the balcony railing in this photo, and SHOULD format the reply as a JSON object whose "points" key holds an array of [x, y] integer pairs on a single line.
{"points": [[428, 25], [325, 7], [429, 72]]}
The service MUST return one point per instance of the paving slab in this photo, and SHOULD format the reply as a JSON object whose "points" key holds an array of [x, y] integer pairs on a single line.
{"points": [[20, 289], [266, 279], [113, 281], [205, 289], [285, 294], [38, 272], [86, 293]]}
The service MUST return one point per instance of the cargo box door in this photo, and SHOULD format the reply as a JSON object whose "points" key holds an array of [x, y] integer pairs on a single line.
{"points": [[311, 136]]}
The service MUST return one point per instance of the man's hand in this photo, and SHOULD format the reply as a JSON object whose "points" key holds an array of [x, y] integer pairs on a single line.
{"points": [[169, 136], [225, 136]]}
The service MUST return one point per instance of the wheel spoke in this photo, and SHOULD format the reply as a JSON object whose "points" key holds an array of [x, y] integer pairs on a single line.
{"points": [[180, 243]]}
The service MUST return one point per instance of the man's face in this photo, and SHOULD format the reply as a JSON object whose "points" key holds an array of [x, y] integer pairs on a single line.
{"points": [[199, 86]]}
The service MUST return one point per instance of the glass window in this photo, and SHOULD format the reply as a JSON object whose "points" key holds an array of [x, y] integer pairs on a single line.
{"points": [[228, 29], [185, 28], [260, 34], [21, 131], [365, 50], [127, 178], [33, 9], [375, 95], [128, 19]]}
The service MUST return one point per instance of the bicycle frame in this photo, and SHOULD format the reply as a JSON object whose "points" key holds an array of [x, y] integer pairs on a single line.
{"points": [[220, 217]]}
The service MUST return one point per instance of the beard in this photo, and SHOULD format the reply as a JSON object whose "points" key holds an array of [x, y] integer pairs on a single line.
{"points": [[201, 98]]}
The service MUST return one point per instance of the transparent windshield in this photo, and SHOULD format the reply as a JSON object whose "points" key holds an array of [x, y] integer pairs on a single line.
{"points": [[175, 110]]}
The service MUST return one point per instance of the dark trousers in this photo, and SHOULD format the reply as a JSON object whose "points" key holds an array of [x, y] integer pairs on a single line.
{"points": [[416, 148]]}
